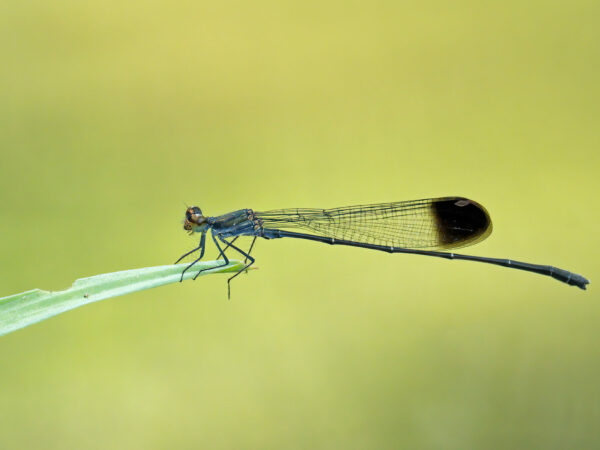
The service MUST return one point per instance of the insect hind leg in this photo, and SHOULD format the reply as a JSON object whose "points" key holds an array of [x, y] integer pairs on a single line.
{"points": [[246, 256]]}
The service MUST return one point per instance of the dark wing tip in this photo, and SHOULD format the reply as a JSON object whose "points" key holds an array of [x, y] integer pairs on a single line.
{"points": [[460, 221]]}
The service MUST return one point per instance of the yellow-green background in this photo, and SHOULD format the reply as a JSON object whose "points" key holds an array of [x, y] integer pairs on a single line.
{"points": [[115, 114]]}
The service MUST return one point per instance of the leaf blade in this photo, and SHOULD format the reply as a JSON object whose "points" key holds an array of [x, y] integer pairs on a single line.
{"points": [[26, 308]]}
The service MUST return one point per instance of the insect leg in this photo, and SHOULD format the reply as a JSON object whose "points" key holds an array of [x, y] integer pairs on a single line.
{"points": [[221, 253], [202, 246], [246, 255]]}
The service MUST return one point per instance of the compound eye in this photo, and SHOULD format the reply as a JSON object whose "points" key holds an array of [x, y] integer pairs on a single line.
{"points": [[193, 212]]}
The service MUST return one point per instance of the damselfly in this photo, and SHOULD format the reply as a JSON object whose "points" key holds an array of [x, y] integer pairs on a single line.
{"points": [[421, 227]]}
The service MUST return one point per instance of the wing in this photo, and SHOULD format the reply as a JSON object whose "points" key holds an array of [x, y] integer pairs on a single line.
{"points": [[444, 223]]}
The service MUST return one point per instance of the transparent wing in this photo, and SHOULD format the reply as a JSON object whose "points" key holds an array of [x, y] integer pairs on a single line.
{"points": [[444, 223]]}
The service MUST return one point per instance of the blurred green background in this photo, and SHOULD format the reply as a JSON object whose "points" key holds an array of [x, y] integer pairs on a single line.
{"points": [[115, 114]]}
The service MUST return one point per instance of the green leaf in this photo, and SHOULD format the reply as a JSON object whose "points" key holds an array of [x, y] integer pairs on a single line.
{"points": [[20, 310]]}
